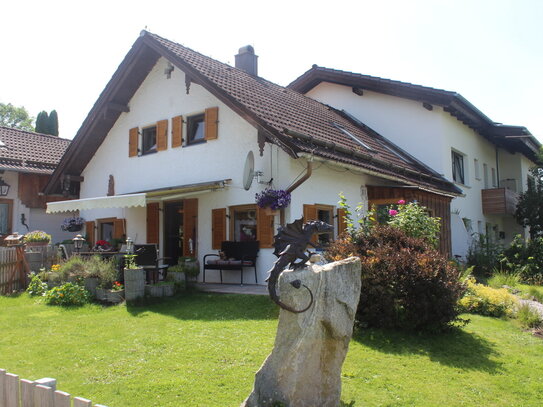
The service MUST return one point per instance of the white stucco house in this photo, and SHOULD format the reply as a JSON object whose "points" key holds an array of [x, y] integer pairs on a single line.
{"points": [[488, 161], [27, 160], [178, 144]]}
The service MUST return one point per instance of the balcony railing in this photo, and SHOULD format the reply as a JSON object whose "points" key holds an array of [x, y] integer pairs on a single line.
{"points": [[499, 201]]}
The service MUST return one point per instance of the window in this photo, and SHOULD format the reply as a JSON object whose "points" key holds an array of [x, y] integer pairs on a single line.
{"points": [[6, 209], [476, 169], [458, 167], [196, 129], [243, 223], [467, 225], [148, 140], [348, 133], [323, 213]]}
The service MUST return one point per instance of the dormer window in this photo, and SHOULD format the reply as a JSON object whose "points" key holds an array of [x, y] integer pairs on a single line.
{"points": [[196, 129], [148, 140]]}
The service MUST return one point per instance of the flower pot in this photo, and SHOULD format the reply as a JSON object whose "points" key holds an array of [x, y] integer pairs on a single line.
{"points": [[270, 212], [154, 290], [101, 294], [36, 244], [115, 296], [134, 283], [74, 228], [168, 290]]}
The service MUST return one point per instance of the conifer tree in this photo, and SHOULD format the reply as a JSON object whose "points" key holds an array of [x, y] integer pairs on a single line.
{"points": [[42, 122]]}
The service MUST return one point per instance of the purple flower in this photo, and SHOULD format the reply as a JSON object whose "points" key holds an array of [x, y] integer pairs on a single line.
{"points": [[392, 212], [273, 198]]}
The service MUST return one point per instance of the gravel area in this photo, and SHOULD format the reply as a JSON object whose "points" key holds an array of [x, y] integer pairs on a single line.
{"points": [[534, 305]]}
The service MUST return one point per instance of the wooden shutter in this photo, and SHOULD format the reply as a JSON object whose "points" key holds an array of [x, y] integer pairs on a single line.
{"points": [[310, 213], [133, 136], [119, 228], [264, 228], [152, 222], [218, 227], [190, 225], [162, 135], [211, 123], [89, 230], [341, 222], [177, 131]]}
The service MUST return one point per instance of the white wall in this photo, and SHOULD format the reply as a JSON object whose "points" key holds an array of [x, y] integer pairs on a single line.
{"points": [[430, 136]]}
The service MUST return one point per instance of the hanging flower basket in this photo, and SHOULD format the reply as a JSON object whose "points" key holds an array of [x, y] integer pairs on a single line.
{"points": [[273, 199], [73, 224]]}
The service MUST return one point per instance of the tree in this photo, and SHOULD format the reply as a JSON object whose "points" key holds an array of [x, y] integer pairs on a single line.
{"points": [[15, 117], [529, 212], [53, 123], [42, 122]]}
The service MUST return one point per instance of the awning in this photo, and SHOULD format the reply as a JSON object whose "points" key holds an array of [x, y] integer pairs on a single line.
{"points": [[136, 199]]}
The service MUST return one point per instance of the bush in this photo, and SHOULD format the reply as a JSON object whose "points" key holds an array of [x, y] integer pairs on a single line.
{"points": [[525, 258], [36, 286], [96, 267], [73, 267], [415, 222], [484, 255], [527, 317], [107, 273], [67, 294], [484, 300], [405, 282]]}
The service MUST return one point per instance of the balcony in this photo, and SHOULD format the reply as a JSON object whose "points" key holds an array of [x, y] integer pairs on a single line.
{"points": [[499, 201]]}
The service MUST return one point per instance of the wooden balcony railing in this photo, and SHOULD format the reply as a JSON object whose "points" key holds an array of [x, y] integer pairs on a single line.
{"points": [[499, 201]]}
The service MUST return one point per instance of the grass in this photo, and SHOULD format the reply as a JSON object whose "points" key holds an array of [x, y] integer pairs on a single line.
{"points": [[203, 350]]}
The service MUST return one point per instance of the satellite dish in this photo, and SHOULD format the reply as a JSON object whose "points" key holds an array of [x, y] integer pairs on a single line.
{"points": [[248, 171]]}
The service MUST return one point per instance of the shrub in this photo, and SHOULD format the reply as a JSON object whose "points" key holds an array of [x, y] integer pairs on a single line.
{"points": [[501, 278], [36, 287], [414, 220], [107, 273], [527, 317], [484, 300], [535, 294], [96, 267], [484, 255], [405, 282], [525, 258], [67, 294]]}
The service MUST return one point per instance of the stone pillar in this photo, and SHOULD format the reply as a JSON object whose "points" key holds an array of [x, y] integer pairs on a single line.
{"points": [[304, 368], [134, 284]]}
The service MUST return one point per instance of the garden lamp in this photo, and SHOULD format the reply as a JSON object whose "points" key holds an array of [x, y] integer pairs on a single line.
{"points": [[78, 242], [129, 245]]}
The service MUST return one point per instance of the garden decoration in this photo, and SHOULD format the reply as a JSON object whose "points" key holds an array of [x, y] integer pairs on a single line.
{"points": [[304, 367], [72, 224], [273, 198], [290, 245]]}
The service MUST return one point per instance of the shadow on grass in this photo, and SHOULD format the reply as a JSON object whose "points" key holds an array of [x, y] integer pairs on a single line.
{"points": [[196, 305], [456, 348]]}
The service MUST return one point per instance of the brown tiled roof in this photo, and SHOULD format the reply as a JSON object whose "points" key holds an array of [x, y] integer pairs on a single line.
{"points": [[513, 138], [284, 116], [26, 151]]}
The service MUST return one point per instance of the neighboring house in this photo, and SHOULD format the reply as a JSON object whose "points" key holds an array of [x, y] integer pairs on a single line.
{"points": [[27, 161], [489, 161], [178, 144]]}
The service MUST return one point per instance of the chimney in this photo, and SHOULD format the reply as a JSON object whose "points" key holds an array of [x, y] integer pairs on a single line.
{"points": [[246, 60]]}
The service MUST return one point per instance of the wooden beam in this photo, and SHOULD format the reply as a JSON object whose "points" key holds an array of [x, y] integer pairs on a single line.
{"points": [[117, 107]]}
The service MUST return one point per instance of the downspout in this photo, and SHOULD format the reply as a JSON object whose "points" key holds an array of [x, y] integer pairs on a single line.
{"points": [[308, 172], [497, 169]]}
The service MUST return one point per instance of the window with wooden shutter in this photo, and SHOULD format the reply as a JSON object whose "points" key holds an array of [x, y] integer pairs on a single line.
{"points": [[133, 136], [89, 231], [152, 222], [218, 227], [162, 135], [211, 123], [323, 213], [119, 229], [341, 221], [190, 225], [177, 131], [265, 228]]}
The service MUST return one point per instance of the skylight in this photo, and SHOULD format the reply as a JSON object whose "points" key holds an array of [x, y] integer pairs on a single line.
{"points": [[348, 133]]}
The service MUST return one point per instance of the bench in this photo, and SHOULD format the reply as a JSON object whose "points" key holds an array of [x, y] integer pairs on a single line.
{"points": [[236, 256]]}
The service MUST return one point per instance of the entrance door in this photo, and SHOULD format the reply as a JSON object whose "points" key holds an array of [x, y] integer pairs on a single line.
{"points": [[180, 223]]}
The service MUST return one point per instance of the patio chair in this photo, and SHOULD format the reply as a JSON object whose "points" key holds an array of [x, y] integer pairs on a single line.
{"points": [[147, 258]]}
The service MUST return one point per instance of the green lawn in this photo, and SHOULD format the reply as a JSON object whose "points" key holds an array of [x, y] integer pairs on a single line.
{"points": [[203, 350]]}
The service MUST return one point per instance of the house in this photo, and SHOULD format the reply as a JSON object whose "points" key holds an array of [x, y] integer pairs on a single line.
{"points": [[178, 144], [27, 160], [489, 161]]}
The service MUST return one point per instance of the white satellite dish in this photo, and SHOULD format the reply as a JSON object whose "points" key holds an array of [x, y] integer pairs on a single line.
{"points": [[249, 171]]}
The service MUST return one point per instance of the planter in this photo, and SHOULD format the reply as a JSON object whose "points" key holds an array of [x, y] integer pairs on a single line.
{"points": [[168, 290], [115, 296], [36, 244], [74, 228], [134, 284], [154, 290], [176, 276], [270, 212], [91, 283], [101, 294]]}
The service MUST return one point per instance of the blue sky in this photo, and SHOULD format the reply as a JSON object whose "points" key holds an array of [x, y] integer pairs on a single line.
{"points": [[60, 54]]}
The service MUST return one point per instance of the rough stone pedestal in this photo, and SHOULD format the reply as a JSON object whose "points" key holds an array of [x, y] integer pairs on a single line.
{"points": [[304, 368]]}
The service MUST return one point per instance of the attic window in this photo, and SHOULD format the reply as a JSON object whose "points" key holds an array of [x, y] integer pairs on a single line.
{"points": [[148, 140], [348, 133]]}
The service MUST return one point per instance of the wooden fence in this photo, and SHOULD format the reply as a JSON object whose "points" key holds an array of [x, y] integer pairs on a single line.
{"points": [[26, 393], [13, 269]]}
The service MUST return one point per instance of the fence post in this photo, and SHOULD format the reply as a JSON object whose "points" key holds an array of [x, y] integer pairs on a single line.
{"points": [[62, 399], [27, 393], [2, 385], [43, 396], [11, 387], [81, 402]]}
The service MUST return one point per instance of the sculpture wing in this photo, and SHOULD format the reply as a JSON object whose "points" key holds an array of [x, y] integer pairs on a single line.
{"points": [[288, 234]]}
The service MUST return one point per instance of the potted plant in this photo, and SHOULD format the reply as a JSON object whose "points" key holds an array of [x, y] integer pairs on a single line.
{"points": [[273, 199], [72, 224], [116, 293], [134, 278], [176, 273], [190, 267], [168, 288], [37, 238], [102, 246], [108, 276]]}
